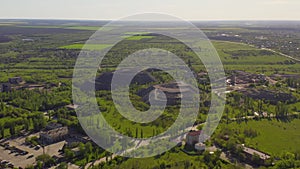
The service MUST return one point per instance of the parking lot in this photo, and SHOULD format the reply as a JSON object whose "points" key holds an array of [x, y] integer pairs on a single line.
{"points": [[16, 152]]}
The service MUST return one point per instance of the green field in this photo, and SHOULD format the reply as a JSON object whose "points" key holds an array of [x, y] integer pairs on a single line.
{"points": [[239, 56], [274, 137], [88, 28], [136, 33], [86, 46], [243, 54], [137, 37]]}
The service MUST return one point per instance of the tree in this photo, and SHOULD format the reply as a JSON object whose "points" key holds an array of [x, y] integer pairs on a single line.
{"points": [[12, 128], [162, 165], [189, 63], [256, 159], [288, 160], [50, 113], [69, 154], [45, 159], [88, 148], [102, 164], [227, 114], [136, 133], [142, 134], [62, 165], [281, 110], [39, 121], [187, 164], [81, 148], [2, 129], [26, 124], [260, 106]]}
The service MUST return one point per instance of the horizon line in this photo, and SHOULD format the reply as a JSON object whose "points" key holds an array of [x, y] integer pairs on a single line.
{"points": [[190, 20]]}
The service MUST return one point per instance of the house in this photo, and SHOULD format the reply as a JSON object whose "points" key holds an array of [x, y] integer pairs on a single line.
{"points": [[240, 77], [54, 135], [193, 137], [15, 80], [5, 87]]}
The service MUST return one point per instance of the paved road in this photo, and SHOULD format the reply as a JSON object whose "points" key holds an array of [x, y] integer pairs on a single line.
{"points": [[282, 54]]}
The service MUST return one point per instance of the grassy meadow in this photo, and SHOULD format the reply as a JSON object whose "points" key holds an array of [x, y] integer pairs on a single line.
{"points": [[274, 137]]}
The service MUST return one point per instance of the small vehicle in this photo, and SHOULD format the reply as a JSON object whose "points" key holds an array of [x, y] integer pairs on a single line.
{"points": [[4, 162], [10, 165], [37, 147], [30, 156], [24, 153]]}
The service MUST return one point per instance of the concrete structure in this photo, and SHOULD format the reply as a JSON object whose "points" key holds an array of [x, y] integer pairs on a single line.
{"points": [[250, 152], [199, 147], [192, 138], [54, 135], [174, 92]]}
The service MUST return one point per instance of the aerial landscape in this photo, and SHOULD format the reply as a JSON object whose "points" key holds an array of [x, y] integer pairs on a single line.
{"points": [[41, 125]]}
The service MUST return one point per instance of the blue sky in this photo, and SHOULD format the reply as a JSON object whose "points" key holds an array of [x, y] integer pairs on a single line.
{"points": [[186, 9]]}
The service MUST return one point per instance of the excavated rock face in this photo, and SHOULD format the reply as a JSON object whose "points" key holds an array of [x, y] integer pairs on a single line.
{"points": [[272, 96], [170, 90], [103, 82]]}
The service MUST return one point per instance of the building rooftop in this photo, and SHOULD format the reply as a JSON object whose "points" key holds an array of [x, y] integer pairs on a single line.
{"points": [[55, 132], [253, 151], [175, 87], [194, 133]]}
